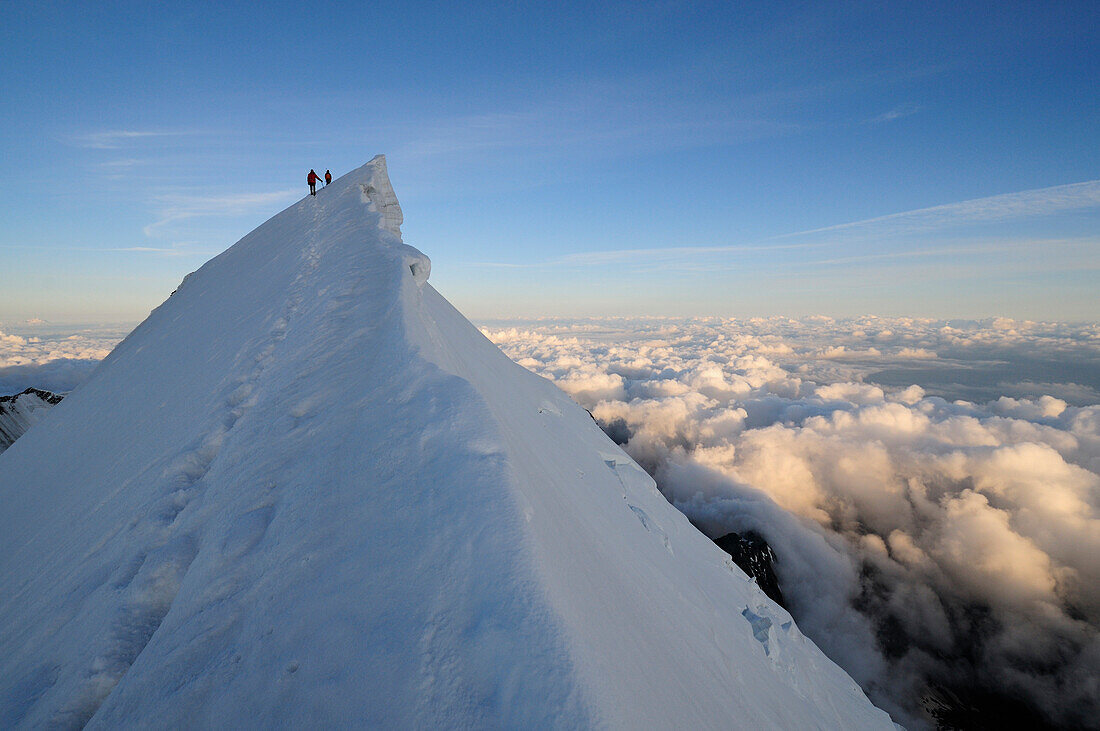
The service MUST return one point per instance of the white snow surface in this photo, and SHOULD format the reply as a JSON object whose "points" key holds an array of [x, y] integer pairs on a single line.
{"points": [[306, 491]]}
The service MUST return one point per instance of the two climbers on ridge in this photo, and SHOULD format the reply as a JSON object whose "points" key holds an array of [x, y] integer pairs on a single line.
{"points": [[312, 179]]}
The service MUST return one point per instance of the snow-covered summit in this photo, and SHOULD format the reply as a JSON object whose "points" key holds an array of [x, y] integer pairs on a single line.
{"points": [[306, 491]]}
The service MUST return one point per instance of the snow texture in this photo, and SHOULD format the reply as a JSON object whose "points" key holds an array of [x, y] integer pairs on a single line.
{"points": [[307, 492]]}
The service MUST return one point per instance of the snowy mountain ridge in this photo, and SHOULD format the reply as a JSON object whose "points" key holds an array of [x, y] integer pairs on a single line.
{"points": [[307, 491]]}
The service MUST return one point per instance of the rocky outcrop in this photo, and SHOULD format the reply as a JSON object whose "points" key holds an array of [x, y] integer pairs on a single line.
{"points": [[755, 557], [22, 411]]}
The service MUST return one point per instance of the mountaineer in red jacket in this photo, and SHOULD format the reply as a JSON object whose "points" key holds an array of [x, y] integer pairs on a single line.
{"points": [[328, 178], [312, 179]]}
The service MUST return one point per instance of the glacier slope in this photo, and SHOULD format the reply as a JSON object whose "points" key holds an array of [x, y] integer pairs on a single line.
{"points": [[307, 491]]}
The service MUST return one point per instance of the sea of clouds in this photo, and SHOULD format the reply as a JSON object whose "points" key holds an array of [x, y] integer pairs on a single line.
{"points": [[52, 358], [931, 488]]}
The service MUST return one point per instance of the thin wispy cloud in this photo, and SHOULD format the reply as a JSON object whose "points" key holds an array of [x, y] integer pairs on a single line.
{"points": [[899, 112], [123, 164], [175, 208], [143, 248], [503, 265], [642, 257], [163, 251], [595, 258], [987, 248], [180, 249], [115, 139], [1024, 204]]}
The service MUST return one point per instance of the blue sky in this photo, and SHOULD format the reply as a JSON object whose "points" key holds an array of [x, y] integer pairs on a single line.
{"points": [[935, 159]]}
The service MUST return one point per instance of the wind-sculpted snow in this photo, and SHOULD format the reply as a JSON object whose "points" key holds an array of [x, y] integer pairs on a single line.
{"points": [[379, 195], [927, 544], [306, 492]]}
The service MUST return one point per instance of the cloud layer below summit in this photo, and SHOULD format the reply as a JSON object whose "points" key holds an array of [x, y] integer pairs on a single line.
{"points": [[941, 535], [41, 356]]}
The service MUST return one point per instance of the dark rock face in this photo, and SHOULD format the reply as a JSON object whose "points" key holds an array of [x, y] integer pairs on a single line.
{"points": [[50, 398], [618, 431], [970, 706], [755, 557], [21, 411]]}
